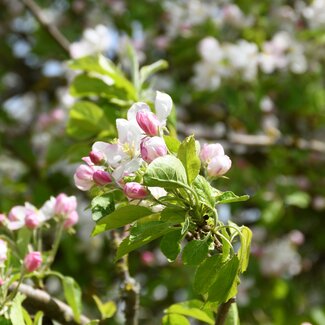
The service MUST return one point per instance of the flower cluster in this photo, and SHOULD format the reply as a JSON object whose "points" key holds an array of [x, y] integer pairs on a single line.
{"points": [[62, 207], [140, 141], [225, 61]]}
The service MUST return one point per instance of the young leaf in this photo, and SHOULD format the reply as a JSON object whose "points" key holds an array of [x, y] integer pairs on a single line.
{"points": [[38, 319], [102, 206], [175, 319], [16, 310], [195, 252], [232, 316], [121, 217], [72, 294], [224, 282], [187, 155], [172, 144], [229, 197], [173, 215], [27, 318], [166, 172], [185, 226], [243, 253], [170, 244], [148, 70], [206, 273], [107, 309], [141, 236], [204, 191], [192, 308], [86, 120]]}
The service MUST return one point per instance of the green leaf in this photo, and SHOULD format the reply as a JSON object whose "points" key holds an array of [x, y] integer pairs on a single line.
{"points": [[5, 321], [141, 235], [232, 316], [27, 318], [38, 319], [229, 197], [224, 285], [120, 218], [188, 156], [185, 226], [298, 199], [72, 294], [195, 252], [107, 309], [243, 253], [24, 236], [205, 191], [101, 206], [206, 273], [192, 308], [170, 244], [167, 172], [172, 143], [102, 65], [148, 70], [16, 310], [86, 120], [175, 319], [133, 58], [225, 244], [173, 215]]}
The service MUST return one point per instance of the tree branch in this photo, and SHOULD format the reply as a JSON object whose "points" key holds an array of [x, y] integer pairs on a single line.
{"points": [[54, 32], [130, 288], [53, 308], [223, 311]]}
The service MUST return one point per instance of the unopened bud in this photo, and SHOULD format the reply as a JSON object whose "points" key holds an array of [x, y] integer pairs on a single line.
{"points": [[152, 148], [210, 151], [71, 220], [219, 166], [65, 204], [96, 157], [148, 122], [32, 220], [32, 261], [101, 177], [134, 190]]}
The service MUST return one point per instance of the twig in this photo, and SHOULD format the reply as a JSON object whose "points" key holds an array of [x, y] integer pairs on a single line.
{"points": [[54, 32], [223, 311], [130, 288], [53, 308]]}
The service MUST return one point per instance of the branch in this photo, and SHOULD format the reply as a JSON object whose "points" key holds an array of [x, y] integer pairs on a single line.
{"points": [[223, 311], [54, 32], [130, 288], [53, 308]]}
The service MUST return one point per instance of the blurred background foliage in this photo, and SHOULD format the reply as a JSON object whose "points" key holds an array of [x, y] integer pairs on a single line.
{"points": [[247, 74]]}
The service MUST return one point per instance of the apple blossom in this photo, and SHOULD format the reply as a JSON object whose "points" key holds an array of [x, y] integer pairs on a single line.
{"points": [[134, 190], [211, 150], [148, 122], [96, 157], [3, 251], [16, 217], [71, 220], [219, 165], [65, 204], [83, 177], [101, 177], [32, 261], [152, 148]]}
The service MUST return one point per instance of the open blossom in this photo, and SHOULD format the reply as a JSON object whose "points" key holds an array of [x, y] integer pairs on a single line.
{"points": [[16, 217], [152, 148], [32, 261], [65, 204], [134, 190], [3, 251]]}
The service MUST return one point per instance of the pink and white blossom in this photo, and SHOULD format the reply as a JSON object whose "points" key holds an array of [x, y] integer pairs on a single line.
{"points": [[65, 204], [32, 261], [3, 251], [71, 219], [219, 165], [134, 190], [102, 177], [209, 151], [152, 148]]}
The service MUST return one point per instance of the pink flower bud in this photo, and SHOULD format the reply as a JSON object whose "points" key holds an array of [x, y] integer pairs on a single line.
{"points": [[65, 204], [134, 190], [32, 220], [152, 148], [147, 258], [148, 122], [32, 261], [71, 220], [96, 157], [3, 251], [210, 151], [83, 177], [219, 165], [2, 281], [101, 177]]}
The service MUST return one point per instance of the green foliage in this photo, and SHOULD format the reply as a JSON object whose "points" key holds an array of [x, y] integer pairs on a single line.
{"points": [[195, 251], [188, 156], [102, 206], [175, 319], [107, 309], [16, 310], [170, 244], [120, 217], [72, 294], [167, 172]]}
